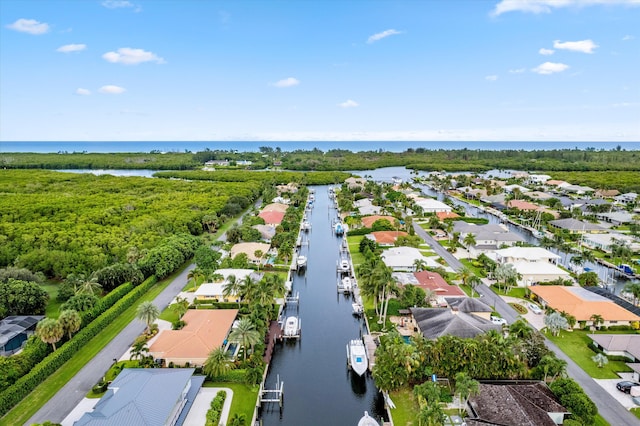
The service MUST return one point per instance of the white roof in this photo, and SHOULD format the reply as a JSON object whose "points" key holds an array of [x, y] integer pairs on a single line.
{"points": [[240, 274], [510, 188], [431, 204], [210, 289], [527, 253], [542, 268], [401, 256]]}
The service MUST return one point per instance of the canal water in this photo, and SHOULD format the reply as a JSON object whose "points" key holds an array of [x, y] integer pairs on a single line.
{"points": [[319, 389]]}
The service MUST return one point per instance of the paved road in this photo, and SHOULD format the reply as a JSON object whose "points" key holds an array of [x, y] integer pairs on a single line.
{"points": [[65, 400], [608, 407], [58, 407], [440, 250]]}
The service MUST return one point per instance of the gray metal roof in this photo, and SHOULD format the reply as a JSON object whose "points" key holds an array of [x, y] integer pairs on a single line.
{"points": [[14, 325], [436, 322], [140, 396]]}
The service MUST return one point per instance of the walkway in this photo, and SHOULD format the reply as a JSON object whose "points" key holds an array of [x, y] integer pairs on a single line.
{"points": [[66, 399]]}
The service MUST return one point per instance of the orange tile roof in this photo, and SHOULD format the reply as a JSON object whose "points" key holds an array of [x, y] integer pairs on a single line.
{"points": [[434, 282], [275, 207], [555, 182], [387, 237], [565, 299], [206, 329], [368, 221], [272, 217], [447, 215], [522, 205]]}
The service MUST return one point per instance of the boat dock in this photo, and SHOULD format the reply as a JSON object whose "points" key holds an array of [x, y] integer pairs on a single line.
{"points": [[370, 346]]}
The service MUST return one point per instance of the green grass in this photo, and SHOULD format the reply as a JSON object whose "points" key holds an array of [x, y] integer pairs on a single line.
{"points": [[354, 248], [600, 421], [169, 314], [406, 407], [47, 389], [575, 345], [53, 306], [518, 292], [244, 398], [636, 412], [479, 271]]}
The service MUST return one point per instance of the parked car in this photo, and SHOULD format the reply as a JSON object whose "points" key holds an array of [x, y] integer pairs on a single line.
{"points": [[498, 320], [626, 385], [535, 308]]}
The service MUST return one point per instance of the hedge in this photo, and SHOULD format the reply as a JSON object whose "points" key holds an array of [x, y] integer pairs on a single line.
{"points": [[23, 386], [213, 415]]}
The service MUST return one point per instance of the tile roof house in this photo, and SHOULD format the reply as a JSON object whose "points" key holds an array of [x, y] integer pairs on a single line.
{"points": [[272, 217], [582, 304], [146, 396], [355, 183], [437, 322], [15, 330], [522, 404], [206, 329], [275, 207], [434, 282], [576, 226], [607, 193], [447, 215], [386, 238], [368, 221], [267, 232], [250, 250], [522, 205]]}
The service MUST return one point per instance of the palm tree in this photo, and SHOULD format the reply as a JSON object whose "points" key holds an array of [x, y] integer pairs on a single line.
{"points": [[218, 364], [245, 332], [466, 387], [70, 321], [49, 331], [597, 320], [420, 264], [147, 312], [238, 420], [258, 254], [88, 286], [473, 282], [232, 288], [520, 329], [180, 307], [600, 359], [469, 240], [555, 322], [196, 275], [506, 273], [139, 350], [634, 289], [277, 284]]}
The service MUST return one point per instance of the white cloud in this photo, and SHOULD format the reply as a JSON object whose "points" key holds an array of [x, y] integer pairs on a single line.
{"points": [[67, 48], [348, 104], [29, 26], [491, 77], [628, 37], [546, 52], [517, 70], [584, 46], [550, 68], [286, 82], [117, 4], [83, 92], [383, 34], [129, 56], [546, 6], [110, 89]]}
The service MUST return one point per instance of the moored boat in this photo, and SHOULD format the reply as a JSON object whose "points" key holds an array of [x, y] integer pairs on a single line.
{"points": [[291, 327], [357, 356]]}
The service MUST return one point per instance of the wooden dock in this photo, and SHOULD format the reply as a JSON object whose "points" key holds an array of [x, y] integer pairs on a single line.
{"points": [[370, 346], [270, 341]]}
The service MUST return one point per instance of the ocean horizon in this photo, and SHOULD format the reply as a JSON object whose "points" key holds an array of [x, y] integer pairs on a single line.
{"points": [[254, 146]]}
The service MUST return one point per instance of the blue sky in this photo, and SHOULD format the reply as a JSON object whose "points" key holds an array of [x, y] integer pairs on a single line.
{"points": [[118, 70]]}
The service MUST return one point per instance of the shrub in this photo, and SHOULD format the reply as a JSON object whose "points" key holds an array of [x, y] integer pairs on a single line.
{"points": [[213, 415]]}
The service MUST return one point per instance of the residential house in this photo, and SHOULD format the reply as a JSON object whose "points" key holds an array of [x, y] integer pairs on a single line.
{"points": [[512, 188], [626, 345], [514, 403], [281, 200], [489, 237], [402, 258], [430, 205], [539, 196], [205, 330], [213, 163], [368, 221], [275, 207], [627, 198], [146, 396], [576, 189], [386, 238], [365, 207], [267, 232], [605, 241], [522, 205], [273, 218], [250, 249], [470, 305], [606, 193], [582, 305], [214, 292], [616, 218], [447, 215], [354, 183], [291, 187], [15, 330], [439, 288], [534, 264], [538, 179], [555, 182], [437, 322], [577, 226]]}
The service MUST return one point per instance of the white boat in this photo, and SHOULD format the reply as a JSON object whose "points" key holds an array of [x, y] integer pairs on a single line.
{"points": [[358, 309], [344, 265], [346, 285], [301, 261], [306, 225], [291, 327], [357, 356], [339, 229], [367, 420]]}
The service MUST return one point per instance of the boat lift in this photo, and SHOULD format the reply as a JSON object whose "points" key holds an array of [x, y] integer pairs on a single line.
{"points": [[272, 395]]}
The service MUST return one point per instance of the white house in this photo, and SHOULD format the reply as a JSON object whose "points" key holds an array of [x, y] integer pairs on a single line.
{"points": [[629, 197], [430, 205], [534, 264], [604, 241], [511, 188], [538, 179], [402, 258]]}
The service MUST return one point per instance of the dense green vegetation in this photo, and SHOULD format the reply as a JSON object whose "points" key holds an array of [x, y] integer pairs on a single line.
{"points": [[79, 160], [271, 178], [623, 181], [62, 223]]}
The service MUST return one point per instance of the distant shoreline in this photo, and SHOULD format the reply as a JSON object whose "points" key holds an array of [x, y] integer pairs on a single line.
{"points": [[253, 146]]}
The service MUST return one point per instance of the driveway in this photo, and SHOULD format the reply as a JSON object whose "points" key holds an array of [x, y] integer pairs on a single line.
{"points": [[609, 385]]}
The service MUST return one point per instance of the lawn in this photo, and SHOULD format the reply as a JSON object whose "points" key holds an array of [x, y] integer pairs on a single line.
{"points": [[244, 398], [575, 345], [518, 292], [53, 306], [406, 407], [47, 389], [479, 271], [354, 249]]}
